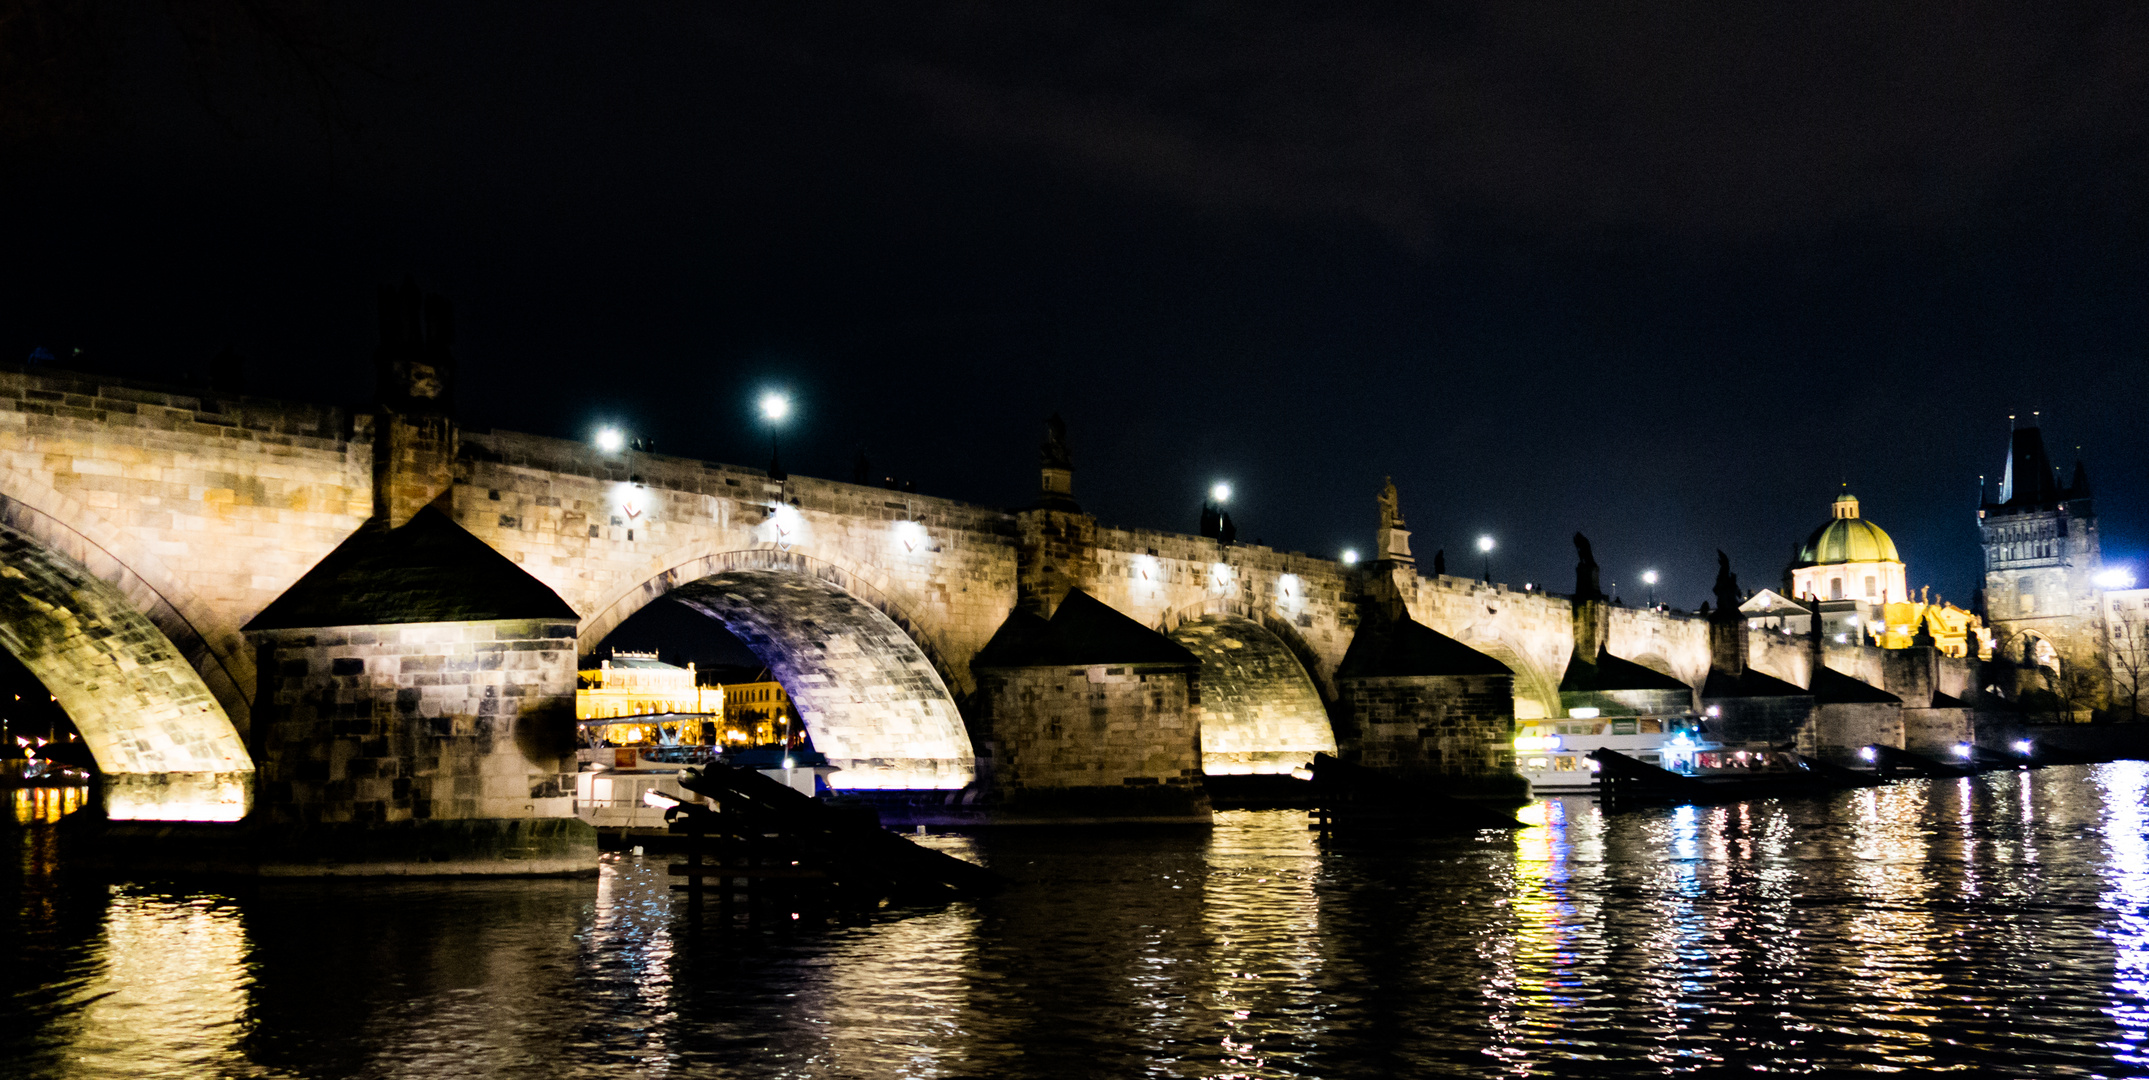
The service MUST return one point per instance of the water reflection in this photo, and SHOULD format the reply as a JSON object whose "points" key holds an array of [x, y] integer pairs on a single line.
{"points": [[44, 805], [1996, 925]]}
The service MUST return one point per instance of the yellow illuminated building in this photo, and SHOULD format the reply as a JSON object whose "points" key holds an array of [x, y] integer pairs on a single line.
{"points": [[1954, 631], [638, 684], [759, 712]]}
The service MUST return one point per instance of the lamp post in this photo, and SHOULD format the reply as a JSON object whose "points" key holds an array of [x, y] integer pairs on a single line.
{"points": [[1484, 544], [775, 407], [1650, 576]]}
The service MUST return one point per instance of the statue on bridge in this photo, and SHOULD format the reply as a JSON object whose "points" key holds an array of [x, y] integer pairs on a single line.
{"points": [[1391, 505], [1727, 590], [1587, 585]]}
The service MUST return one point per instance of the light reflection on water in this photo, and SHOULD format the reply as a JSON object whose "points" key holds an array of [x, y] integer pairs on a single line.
{"points": [[1998, 925]]}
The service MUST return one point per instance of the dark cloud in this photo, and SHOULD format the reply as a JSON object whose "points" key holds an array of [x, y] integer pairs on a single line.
{"points": [[1696, 119], [1667, 274]]}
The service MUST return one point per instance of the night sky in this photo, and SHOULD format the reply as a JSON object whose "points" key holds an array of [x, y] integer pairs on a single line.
{"points": [[1665, 274]]}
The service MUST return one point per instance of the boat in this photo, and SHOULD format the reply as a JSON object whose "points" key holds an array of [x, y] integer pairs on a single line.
{"points": [[1554, 755]]}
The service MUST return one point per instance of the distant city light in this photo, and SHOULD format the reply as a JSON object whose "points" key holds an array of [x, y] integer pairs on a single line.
{"points": [[1221, 492], [1350, 557], [775, 406], [2118, 577], [611, 440]]}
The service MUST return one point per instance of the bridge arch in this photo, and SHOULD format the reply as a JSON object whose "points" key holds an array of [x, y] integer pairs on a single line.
{"points": [[74, 532], [866, 680], [1260, 710], [166, 747], [1533, 685]]}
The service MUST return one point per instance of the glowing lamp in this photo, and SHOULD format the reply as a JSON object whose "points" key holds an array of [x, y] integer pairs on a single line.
{"points": [[1350, 557], [659, 800], [2022, 746], [775, 407], [1221, 492], [1484, 543], [1962, 749], [1867, 753], [1649, 577], [2117, 577], [1529, 743], [1584, 713], [611, 440]]}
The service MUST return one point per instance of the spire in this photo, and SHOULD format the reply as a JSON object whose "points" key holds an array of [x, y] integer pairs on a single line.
{"points": [[2030, 478]]}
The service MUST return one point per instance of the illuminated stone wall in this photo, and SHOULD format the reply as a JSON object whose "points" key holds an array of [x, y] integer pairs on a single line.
{"points": [[1114, 741], [1259, 711], [165, 747], [199, 507], [418, 722], [1455, 731]]}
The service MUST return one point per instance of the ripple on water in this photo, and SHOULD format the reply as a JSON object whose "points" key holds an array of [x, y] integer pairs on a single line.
{"points": [[1998, 925]]}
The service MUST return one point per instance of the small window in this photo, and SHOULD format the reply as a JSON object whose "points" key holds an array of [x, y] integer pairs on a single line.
{"points": [[1872, 589], [1835, 588]]}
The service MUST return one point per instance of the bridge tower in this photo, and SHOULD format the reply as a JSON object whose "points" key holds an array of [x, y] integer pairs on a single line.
{"points": [[2041, 562]]}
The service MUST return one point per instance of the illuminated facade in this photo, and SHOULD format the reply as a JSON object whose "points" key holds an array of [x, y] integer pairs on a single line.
{"points": [[759, 713], [1849, 558], [2042, 559], [638, 684]]}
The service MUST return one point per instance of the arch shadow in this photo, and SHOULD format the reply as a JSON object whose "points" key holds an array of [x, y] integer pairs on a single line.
{"points": [[62, 525], [1261, 710], [867, 683], [165, 746]]}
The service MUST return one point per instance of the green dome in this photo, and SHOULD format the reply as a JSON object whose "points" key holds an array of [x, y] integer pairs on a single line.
{"points": [[1848, 538]]}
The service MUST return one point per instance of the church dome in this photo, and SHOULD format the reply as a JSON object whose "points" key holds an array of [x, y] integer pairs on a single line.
{"points": [[1847, 538]]}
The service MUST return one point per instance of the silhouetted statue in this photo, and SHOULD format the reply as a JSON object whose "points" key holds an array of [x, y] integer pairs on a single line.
{"points": [[1587, 585], [1226, 531], [1440, 562], [1054, 454], [415, 361], [1391, 505], [1727, 589], [1211, 524]]}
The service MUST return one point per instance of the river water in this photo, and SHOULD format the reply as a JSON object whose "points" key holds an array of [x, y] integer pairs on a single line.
{"points": [[1996, 926]]}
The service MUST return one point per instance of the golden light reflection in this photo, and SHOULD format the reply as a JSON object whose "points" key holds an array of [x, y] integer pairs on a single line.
{"points": [[45, 805], [1888, 958], [171, 998], [1259, 908]]}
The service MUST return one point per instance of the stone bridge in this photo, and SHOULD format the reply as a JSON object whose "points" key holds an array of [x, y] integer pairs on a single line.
{"points": [[144, 530]]}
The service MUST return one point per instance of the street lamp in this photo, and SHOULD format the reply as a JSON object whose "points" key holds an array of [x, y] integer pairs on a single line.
{"points": [[1484, 544], [1221, 492], [1650, 576], [610, 440], [2117, 577], [1350, 556], [775, 406]]}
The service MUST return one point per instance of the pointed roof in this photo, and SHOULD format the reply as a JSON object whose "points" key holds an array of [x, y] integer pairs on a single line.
{"points": [[1614, 673], [1832, 687], [428, 570], [1085, 630], [2028, 479], [1403, 648], [1771, 602], [1748, 684]]}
